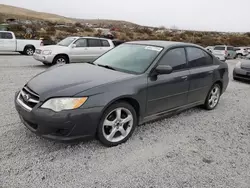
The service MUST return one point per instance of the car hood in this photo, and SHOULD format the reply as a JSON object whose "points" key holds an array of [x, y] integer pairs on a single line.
{"points": [[52, 47], [245, 64], [69, 80]]}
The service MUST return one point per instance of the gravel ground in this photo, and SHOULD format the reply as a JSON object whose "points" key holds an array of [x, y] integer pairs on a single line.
{"points": [[196, 148]]}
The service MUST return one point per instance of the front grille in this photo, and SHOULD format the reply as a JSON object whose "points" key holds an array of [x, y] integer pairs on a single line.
{"points": [[38, 51], [243, 76], [245, 68], [27, 98]]}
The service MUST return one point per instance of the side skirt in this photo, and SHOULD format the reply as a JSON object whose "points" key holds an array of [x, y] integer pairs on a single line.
{"points": [[170, 112]]}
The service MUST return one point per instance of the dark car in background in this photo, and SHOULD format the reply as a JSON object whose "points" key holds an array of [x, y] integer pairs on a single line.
{"points": [[117, 42], [242, 70], [134, 83]]}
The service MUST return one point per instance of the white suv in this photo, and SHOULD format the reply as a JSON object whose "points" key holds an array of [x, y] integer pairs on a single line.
{"points": [[227, 51], [73, 50], [241, 52]]}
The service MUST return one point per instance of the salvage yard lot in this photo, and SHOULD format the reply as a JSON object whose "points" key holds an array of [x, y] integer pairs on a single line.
{"points": [[196, 148]]}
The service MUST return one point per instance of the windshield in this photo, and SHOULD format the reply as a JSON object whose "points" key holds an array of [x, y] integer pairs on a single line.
{"points": [[131, 58], [66, 41]]}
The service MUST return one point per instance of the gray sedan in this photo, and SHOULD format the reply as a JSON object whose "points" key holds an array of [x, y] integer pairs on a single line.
{"points": [[131, 84], [242, 70]]}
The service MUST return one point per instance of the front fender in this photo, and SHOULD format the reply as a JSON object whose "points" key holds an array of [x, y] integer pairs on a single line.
{"points": [[104, 96]]}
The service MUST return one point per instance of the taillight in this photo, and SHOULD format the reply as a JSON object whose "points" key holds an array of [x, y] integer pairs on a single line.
{"points": [[225, 52], [41, 44]]}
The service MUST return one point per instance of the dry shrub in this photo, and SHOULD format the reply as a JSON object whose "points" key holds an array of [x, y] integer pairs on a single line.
{"points": [[88, 29]]}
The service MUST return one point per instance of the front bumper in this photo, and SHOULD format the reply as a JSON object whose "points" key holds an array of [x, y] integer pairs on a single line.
{"points": [[241, 74], [68, 125], [220, 57], [44, 58]]}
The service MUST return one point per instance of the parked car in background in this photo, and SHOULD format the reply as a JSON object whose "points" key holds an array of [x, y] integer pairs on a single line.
{"points": [[117, 42], [242, 70], [9, 43], [241, 52], [220, 57], [248, 48], [227, 51], [73, 50], [210, 48], [131, 84]]}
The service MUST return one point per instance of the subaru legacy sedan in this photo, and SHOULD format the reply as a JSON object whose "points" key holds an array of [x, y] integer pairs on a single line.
{"points": [[131, 84]]}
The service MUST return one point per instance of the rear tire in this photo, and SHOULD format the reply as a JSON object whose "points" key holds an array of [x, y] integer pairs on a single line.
{"points": [[213, 97], [29, 50], [61, 59], [117, 124], [239, 56]]}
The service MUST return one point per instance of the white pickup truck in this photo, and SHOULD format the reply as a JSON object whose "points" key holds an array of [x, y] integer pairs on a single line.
{"points": [[9, 43]]}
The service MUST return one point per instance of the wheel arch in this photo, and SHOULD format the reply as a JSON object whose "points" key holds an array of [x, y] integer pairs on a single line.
{"points": [[220, 83], [28, 46], [128, 99], [61, 54]]}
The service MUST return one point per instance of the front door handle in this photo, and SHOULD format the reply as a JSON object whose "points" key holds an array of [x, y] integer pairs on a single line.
{"points": [[210, 72], [184, 77]]}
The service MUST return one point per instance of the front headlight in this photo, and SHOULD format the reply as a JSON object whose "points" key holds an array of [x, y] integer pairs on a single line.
{"points": [[238, 65], [59, 104], [47, 52]]}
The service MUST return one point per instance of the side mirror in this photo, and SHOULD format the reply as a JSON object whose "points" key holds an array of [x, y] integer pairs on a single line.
{"points": [[163, 69], [73, 46]]}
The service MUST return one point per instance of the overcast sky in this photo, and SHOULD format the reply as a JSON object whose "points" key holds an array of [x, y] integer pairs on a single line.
{"points": [[216, 15]]}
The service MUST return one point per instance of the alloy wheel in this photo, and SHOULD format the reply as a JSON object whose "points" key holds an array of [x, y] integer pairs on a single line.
{"points": [[117, 124], [61, 61], [214, 96], [30, 51]]}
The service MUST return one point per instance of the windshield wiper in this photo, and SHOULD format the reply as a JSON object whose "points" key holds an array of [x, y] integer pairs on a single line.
{"points": [[106, 66], [91, 63]]}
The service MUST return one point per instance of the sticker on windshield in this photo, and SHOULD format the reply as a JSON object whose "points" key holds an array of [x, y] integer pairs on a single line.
{"points": [[158, 49]]}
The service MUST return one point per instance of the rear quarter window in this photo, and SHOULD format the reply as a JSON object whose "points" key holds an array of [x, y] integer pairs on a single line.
{"points": [[105, 43]]}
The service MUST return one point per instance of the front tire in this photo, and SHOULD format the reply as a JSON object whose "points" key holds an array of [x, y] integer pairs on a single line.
{"points": [[117, 124], [213, 97], [61, 59]]}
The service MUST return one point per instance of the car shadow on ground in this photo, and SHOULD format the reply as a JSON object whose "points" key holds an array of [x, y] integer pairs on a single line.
{"points": [[6, 54], [241, 81]]}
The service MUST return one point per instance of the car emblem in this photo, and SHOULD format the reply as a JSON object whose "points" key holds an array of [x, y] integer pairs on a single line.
{"points": [[26, 97]]}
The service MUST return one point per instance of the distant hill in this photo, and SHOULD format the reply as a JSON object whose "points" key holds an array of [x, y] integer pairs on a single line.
{"points": [[21, 13]]}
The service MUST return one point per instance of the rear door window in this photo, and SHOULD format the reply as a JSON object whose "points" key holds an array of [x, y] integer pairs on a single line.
{"points": [[197, 57], [230, 48], [94, 43], [219, 48]]}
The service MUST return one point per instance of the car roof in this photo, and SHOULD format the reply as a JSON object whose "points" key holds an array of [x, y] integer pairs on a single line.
{"points": [[87, 37], [161, 43]]}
